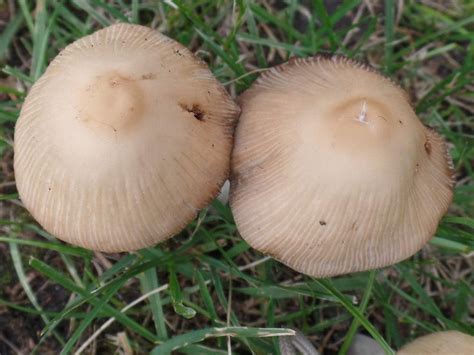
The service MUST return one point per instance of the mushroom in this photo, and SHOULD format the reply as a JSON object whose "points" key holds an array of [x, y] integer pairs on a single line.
{"points": [[440, 343], [332, 171], [122, 140]]}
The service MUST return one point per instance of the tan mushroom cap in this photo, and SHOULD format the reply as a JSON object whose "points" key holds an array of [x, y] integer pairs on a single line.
{"points": [[332, 172], [123, 139], [441, 343]]}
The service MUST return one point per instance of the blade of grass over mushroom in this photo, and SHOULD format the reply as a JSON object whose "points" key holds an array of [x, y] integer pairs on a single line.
{"points": [[326, 284], [200, 335]]}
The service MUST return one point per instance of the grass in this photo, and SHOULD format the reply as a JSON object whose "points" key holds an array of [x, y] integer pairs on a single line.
{"points": [[206, 286]]}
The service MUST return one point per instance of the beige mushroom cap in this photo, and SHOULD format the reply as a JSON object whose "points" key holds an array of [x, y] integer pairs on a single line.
{"points": [[123, 139], [441, 343], [332, 172]]}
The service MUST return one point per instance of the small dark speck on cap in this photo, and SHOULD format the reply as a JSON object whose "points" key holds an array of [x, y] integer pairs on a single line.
{"points": [[428, 147]]}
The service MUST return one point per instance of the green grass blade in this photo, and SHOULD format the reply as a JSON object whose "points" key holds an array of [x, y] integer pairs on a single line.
{"points": [[326, 24], [326, 284], [8, 34], [199, 335], [149, 282], [355, 323], [27, 15], [176, 296], [18, 264], [389, 34], [40, 40], [89, 296], [206, 296], [91, 315], [60, 248]]}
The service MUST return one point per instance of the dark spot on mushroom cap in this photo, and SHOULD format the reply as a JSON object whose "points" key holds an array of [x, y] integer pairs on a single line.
{"points": [[148, 76], [354, 226], [323, 223], [195, 109]]}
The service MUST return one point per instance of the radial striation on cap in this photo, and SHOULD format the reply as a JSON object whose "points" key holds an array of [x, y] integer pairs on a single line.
{"points": [[122, 140], [440, 343], [332, 171]]}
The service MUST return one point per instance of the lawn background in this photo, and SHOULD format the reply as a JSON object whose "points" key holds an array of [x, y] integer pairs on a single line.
{"points": [[207, 281]]}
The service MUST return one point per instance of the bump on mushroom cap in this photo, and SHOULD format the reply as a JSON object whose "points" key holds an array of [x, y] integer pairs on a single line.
{"points": [[332, 172]]}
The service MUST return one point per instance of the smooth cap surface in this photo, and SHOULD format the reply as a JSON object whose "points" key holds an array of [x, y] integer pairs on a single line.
{"points": [[441, 343], [332, 171], [122, 140]]}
